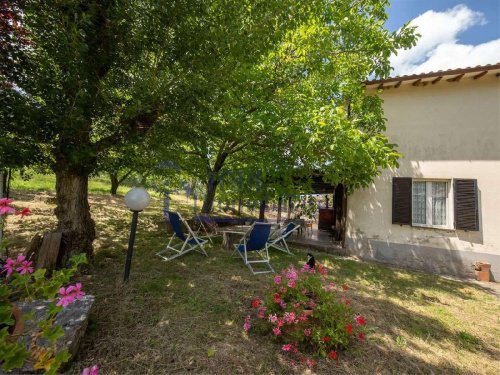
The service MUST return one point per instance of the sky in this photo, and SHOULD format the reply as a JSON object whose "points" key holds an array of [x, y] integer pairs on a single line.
{"points": [[454, 34]]}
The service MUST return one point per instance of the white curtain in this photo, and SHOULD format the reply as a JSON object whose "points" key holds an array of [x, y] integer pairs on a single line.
{"points": [[439, 203]]}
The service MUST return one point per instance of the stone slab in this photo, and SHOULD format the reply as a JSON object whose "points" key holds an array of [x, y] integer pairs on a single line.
{"points": [[73, 320]]}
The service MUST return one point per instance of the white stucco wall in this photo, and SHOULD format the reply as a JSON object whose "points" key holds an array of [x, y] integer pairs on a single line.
{"points": [[445, 131]]}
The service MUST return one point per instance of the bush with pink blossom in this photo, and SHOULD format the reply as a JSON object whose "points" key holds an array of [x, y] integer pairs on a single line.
{"points": [[308, 315]]}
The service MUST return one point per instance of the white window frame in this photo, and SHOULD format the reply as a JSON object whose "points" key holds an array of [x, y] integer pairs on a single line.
{"points": [[428, 203]]}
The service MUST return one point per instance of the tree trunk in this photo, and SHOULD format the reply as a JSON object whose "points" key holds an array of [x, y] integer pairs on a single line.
{"points": [[3, 183], [280, 200], [114, 183], [262, 210], [211, 187], [73, 215]]}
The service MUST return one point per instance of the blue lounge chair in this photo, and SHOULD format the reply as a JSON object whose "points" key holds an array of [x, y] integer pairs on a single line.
{"points": [[253, 247], [278, 238], [188, 241]]}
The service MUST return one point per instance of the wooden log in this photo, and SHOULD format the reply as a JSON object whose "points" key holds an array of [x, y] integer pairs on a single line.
{"points": [[49, 251], [31, 252]]}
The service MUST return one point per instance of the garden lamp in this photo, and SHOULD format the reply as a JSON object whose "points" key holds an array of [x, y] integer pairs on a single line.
{"points": [[137, 199]]}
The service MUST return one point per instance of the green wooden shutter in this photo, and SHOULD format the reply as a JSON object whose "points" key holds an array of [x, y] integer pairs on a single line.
{"points": [[466, 204], [401, 200]]}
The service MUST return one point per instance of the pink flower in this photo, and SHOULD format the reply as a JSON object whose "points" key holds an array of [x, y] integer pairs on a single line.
{"points": [[290, 273], [289, 317], [287, 347], [20, 258], [94, 370], [262, 312], [276, 298], [277, 279], [302, 318], [25, 268], [24, 212], [5, 208], [282, 304], [69, 294], [291, 284], [65, 297], [272, 318], [307, 332], [305, 268], [276, 331], [280, 323], [78, 291], [247, 325], [9, 266], [310, 363]]}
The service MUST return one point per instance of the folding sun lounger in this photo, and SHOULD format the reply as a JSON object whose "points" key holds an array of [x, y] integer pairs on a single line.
{"points": [[253, 248], [181, 243], [278, 239]]}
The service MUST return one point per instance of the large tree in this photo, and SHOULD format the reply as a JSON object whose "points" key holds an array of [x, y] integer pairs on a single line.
{"points": [[279, 89], [91, 77]]}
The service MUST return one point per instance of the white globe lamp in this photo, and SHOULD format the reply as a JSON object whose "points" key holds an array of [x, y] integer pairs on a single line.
{"points": [[137, 199]]}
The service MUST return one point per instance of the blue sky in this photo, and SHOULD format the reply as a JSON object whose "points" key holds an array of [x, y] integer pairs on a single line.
{"points": [[455, 34]]}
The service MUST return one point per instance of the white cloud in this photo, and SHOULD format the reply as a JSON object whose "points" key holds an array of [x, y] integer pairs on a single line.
{"points": [[438, 47]]}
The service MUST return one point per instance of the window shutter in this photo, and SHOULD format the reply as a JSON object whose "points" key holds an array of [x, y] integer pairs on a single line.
{"points": [[466, 204], [401, 200]]}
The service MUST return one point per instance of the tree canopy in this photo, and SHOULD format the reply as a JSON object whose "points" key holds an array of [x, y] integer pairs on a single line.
{"points": [[273, 87]]}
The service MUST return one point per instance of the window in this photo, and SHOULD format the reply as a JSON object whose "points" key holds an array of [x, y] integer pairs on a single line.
{"points": [[430, 203]]}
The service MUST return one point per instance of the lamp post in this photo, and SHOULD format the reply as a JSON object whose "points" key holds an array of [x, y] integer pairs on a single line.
{"points": [[137, 199]]}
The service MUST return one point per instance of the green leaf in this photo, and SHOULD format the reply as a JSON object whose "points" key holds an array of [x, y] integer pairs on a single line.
{"points": [[211, 352], [53, 333]]}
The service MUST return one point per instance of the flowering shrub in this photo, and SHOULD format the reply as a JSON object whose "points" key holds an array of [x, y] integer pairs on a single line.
{"points": [[19, 281], [308, 315]]}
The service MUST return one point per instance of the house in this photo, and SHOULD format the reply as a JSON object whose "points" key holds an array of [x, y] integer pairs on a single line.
{"points": [[439, 211]]}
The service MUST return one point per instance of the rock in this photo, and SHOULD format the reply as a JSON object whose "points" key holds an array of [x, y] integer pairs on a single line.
{"points": [[73, 319]]}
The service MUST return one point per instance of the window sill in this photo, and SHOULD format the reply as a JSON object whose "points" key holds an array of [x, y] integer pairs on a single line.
{"points": [[424, 226]]}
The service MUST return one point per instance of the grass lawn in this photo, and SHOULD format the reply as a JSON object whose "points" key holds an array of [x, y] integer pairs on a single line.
{"points": [[186, 316]]}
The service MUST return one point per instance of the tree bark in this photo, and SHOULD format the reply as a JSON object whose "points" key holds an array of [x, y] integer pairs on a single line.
{"points": [[211, 187], [73, 214], [3, 184], [114, 183], [262, 210], [280, 200]]}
